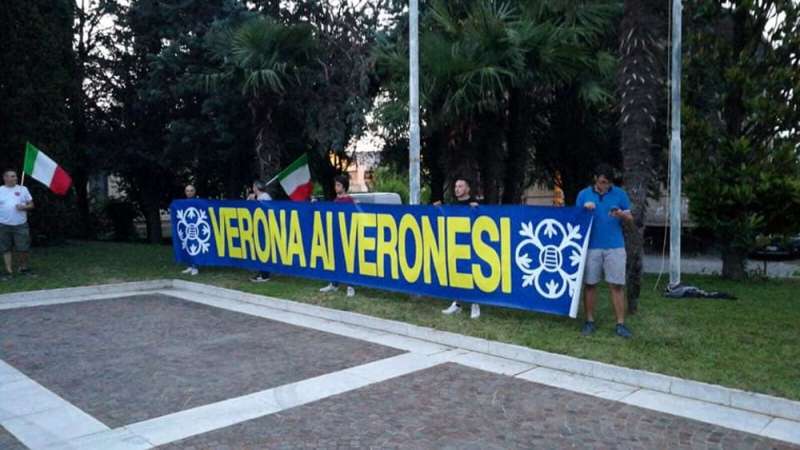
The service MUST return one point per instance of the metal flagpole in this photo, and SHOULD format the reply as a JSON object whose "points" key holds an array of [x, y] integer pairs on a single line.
{"points": [[675, 198], [413, 107]]}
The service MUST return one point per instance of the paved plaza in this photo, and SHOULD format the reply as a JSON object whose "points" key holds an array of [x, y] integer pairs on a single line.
{"points": [[174, 366]]}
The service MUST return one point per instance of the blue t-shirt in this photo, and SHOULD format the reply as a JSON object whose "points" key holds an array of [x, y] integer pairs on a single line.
{"points": [[606, 230]]}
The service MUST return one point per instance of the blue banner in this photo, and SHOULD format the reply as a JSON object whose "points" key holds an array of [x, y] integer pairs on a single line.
{"points": [[523, 257]]}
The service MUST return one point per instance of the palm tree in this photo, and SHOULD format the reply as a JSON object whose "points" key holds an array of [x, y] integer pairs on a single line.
{"points": [[484, 63], [640, 82], [265, 59]]}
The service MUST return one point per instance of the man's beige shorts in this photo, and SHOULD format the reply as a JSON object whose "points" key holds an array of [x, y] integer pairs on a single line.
{"points": [[608, 261]]}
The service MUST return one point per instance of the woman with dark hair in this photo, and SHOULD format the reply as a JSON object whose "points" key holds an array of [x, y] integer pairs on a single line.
{"points": [[341, 183]]}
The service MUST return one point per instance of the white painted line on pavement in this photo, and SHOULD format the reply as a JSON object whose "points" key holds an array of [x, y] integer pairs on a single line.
{"points": [[38, 417], [191, 422], [578, 383], [725, 416]]}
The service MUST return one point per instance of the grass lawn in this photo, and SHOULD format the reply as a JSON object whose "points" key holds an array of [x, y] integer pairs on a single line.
{"points": [[752, 343]]}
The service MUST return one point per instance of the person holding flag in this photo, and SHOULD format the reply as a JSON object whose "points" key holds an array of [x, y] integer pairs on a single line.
{"points": [[260, 194], [15, 202]]}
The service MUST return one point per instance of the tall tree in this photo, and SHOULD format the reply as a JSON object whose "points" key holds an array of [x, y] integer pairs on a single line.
{"points": [[489, 74], [90, 91], [640, 83], [742, 113], [36, 63], [146, 101], [305, 70]]}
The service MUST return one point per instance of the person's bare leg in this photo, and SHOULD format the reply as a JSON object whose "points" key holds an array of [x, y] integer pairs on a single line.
{"points": [[22, 260], [589, 297], [618, 299], [7, 260]]}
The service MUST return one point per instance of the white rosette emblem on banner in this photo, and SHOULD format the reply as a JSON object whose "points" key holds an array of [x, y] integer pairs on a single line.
{"points": [[193, 230], [550, 258]]}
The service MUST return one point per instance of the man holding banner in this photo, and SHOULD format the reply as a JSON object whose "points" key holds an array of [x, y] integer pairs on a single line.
{"points": [[341, 184], [610, 206], [463, 196]]}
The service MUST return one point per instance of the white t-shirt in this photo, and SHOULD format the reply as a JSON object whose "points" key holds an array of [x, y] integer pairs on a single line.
{"points": [[9, 199], [263, 196]]}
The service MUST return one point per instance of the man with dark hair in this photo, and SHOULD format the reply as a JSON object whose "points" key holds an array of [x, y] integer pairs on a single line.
{"points": [[610, 206], [15, 202], [341, 184], [462, 196]]}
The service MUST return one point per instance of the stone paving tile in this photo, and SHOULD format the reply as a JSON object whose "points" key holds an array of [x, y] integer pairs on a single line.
{"points": [[130, 359], [455, 407], [9, 442]]}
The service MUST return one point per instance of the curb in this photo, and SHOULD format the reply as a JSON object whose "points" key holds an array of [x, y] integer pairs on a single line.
{"points": [[100, 289]]}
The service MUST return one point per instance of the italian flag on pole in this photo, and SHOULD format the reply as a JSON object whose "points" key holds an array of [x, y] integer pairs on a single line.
{"points": [[296, 179], [45, 170]]}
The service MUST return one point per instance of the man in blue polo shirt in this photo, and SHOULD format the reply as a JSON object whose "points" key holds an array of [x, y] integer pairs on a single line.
{"points": [[610, 206]]}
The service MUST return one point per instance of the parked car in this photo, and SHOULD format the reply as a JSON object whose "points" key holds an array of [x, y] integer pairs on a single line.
{"points": [[779, 248]]}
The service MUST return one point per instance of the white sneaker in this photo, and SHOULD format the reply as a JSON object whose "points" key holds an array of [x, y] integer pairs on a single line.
{"points": [[329, 288], [193, 271], [475, 312], [452, 309], [350, 291], [187, 270]]}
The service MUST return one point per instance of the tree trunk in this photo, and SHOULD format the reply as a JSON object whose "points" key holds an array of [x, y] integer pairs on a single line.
{"points": [[82, 192], [152, 217], [634, 240], [640, 85], [733, 263], [518, 157], [431, 149]]}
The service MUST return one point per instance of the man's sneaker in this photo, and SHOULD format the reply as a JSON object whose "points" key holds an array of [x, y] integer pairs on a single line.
{"points": [[452, 309], [5, 276], [588, 328], [329, 288], [187, 270], [259, 279], [475, 311], [623, 331], [193, 271], [25, 271], [351, 292]]}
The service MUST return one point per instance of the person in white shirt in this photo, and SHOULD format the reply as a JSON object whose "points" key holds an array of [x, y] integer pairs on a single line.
{"points": [[260, 193], [15, 202]]}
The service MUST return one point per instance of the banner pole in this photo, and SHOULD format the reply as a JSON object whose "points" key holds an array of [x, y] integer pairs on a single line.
{"points": [[22, 181]]}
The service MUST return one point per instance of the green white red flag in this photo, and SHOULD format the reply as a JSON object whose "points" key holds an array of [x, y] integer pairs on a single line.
{"points": [[296, 179], [45, 170]]}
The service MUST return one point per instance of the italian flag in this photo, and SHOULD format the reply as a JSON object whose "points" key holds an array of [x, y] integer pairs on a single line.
{"points": [[296, 179], [45, 170]]}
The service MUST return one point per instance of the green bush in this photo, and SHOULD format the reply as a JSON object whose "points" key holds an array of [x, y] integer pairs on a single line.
{"points": [[386, 179]]}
